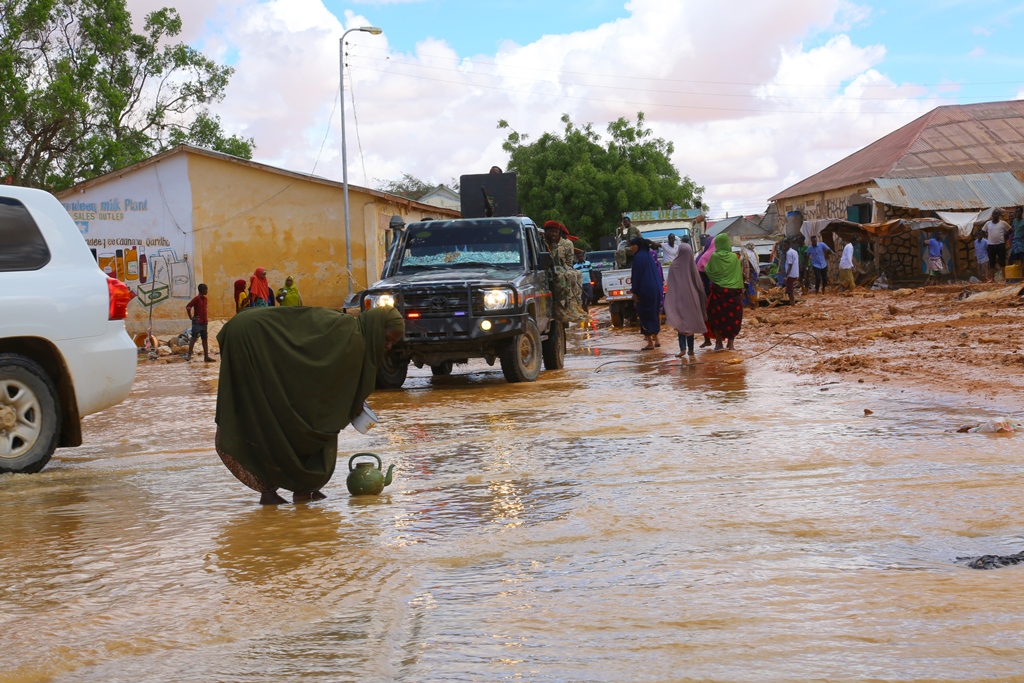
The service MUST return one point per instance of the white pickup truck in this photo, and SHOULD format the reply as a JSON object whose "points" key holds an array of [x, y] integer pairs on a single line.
{"points": [[618, 292], [64, 351]]}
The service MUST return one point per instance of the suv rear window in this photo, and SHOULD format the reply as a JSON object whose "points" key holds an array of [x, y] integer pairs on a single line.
{"points": [[21, 244]]}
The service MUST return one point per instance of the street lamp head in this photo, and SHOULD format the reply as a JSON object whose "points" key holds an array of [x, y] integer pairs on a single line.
{"points": [[373, 30]]}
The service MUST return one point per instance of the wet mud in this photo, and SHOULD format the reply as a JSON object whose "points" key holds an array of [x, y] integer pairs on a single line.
{"points": [[648, 520]]}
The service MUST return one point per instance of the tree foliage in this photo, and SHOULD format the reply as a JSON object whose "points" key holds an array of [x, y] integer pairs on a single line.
{"points": [[82, 94], [587, 183], [411, 187]]}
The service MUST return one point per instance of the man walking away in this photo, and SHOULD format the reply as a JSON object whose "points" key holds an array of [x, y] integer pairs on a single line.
{"points": [[846, 280], [817, 261], [935, 264], [583, 265], [792, 271], [196, 310]]}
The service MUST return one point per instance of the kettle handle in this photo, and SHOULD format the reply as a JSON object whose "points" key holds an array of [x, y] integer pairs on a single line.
{"points": [[380, 465]]}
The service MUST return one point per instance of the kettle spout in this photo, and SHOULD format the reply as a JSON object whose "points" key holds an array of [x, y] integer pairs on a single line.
{"points": [[387, 478]]}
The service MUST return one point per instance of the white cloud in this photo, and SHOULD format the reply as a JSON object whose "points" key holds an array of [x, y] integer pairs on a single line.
{"points": [[750, 108]]}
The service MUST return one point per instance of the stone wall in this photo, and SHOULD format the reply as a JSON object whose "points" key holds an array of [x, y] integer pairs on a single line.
{"points": [[900, 257]]}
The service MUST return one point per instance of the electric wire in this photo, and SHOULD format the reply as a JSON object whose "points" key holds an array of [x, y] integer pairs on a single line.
{"points": [[502, 76], [648, 105], [469, 61]]}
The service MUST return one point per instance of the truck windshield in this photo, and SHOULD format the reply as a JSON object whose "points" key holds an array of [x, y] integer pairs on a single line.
{"points": [[441, 246]]}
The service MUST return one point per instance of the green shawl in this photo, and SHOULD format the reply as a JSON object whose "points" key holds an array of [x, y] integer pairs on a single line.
{"points": [[289, 296], [291, 378], [723, 268]]}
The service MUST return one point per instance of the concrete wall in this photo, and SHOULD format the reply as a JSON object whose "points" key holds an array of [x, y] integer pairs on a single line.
{"points": [[830, 204], [139, 226], [168, 224], [246, 217]]}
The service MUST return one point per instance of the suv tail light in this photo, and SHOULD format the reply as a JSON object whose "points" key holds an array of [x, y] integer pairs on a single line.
{"points": [[120, 295]]}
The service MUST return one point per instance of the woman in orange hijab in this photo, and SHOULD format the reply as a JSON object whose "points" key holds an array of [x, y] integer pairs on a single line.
{"points": [[259, 290]]}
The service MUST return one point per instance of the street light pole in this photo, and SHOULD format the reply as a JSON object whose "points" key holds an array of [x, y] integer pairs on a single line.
{"points": [[373, 30]]}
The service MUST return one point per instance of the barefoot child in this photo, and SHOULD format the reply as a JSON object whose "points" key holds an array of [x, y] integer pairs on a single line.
{"points": [[196, 310]]}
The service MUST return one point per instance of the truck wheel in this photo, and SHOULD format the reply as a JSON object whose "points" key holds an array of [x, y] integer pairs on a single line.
{"points": [[554, 347], [392, 372], [442, 370], [29, 415], [616, 318], [520, 357]]}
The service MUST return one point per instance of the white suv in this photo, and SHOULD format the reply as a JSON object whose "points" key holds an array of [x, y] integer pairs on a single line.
{"points": [[64, 352]]}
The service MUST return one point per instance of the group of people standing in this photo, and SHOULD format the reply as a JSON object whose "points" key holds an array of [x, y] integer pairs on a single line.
{"points": [[260, 293], [998, 243], [705, 294]]}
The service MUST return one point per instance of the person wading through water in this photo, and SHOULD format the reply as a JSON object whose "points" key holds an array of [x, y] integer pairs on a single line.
{"points": [[291, 378], [648, 289], [725, 308]]}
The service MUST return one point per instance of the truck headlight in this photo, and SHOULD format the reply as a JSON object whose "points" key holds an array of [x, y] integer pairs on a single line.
{"points": [[378, 300], [497, 299]]}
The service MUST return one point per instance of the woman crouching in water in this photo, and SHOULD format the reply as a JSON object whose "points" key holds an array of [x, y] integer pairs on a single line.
{"points": [[291, 379]]}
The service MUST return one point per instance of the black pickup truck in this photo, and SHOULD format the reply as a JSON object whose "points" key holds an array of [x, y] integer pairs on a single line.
{"points": [[470, 288]]}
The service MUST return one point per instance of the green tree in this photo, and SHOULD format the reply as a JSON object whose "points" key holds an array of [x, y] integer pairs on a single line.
{"points": [[588, 183], [82, 94], [411, 187]]}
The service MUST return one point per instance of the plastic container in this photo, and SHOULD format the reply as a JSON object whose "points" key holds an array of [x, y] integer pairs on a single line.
{"points": [[366, 420], [1012, 272]]}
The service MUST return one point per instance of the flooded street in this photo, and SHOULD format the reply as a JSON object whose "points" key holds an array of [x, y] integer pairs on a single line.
{"points": [[647, 522]]}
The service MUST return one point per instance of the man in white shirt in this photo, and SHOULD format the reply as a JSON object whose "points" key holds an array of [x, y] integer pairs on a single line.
{"points": [[996, 231], [792, 271], [846, 266], [670, 250]]}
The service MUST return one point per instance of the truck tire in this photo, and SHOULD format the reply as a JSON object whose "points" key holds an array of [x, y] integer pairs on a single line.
{"points": [[392, 372], [521, 356], [616, 316], [29, 415], [442, 370], [554, 347]]}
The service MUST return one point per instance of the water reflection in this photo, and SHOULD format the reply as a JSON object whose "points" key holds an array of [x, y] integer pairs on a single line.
{"points": [[641, 523]]}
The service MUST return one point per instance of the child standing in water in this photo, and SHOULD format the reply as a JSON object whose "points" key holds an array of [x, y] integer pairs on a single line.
{"points": [[196, 309]]}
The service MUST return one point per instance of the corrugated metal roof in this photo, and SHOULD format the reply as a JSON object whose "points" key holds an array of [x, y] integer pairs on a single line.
{"points": [[952, 192], [951, 140]]}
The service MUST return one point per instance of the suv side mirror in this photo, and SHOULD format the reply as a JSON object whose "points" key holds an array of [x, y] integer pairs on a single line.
{"points": [[545, 261]]}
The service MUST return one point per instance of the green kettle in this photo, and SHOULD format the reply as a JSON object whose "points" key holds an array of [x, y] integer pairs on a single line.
{"points": [[364, 479]]}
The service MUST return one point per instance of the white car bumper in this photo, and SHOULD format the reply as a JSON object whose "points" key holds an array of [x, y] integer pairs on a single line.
{"points": [[103, 367]]}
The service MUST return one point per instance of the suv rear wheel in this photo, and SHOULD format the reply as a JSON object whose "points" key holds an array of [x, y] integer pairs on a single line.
{"points": [[29, 415], [392, 371], [520, 357]]}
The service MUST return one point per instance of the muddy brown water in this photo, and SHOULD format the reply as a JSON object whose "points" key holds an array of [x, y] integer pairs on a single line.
{"points": [[645, 523]]}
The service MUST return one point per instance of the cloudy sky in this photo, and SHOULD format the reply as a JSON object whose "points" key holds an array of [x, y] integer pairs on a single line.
{"points": [[755, 95]]}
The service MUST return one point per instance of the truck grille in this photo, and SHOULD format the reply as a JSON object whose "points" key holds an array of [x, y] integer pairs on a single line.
{"points": [[438, 304]]}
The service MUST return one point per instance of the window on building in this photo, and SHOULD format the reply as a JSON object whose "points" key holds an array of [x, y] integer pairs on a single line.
{"points": [[21, 244]]}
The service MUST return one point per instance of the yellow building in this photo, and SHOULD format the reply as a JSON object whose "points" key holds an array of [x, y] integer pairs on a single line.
{"points": [[190, 215]]}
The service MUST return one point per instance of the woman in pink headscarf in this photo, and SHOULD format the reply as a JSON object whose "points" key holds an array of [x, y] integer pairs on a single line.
{"points": [[702, 262], [259, 290]]}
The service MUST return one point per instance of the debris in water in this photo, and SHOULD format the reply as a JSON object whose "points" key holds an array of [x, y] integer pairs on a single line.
{"points": [[993, 561], [868, 412]]}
